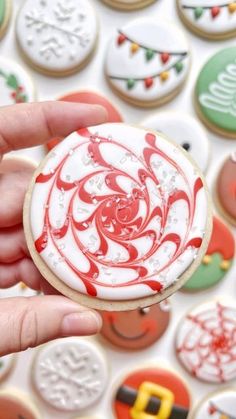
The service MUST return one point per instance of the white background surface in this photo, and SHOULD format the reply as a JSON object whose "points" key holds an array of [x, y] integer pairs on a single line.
{"points": [[92, 77]]}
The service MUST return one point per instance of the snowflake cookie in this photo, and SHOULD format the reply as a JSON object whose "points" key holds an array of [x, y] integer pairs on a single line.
{"points": [[218, 405], [57, 36], [147, 62], [215, 93], [16, 85], [206, 342], [70, 374]]}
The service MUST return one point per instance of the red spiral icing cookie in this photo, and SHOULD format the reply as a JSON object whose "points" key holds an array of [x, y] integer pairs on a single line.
{"points": [[152, 393], [92, 98], [136, 329], [226, 188], [117, 214]]}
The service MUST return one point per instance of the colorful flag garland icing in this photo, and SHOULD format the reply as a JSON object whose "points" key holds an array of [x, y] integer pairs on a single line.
{"points": [[214, 10]]}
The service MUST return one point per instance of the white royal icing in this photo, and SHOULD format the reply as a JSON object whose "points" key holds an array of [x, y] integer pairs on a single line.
{"points": [[206, 342], [57, 35], [158, 36], [70, 374], [185, 131], [221, 95], [224, 22], [218, 406], [121, 235], [15, 84], [6, 363]]}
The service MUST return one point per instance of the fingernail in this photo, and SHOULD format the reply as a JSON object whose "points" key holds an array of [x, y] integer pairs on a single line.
{"points": [[81, 324]]}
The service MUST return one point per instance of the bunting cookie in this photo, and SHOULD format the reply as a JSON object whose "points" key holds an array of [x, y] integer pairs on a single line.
{"points": [[225, 188], [17, 405], [215, 93], [211, 19], [218, 405], [5, 13], [57, 37], [117, 217], [217, 261], [152, 392], [185, 131], [128, 4], [147, 62], [206, 342]]}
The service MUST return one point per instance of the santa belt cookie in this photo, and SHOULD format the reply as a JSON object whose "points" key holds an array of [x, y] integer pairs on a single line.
{"points": [[151, 401]]}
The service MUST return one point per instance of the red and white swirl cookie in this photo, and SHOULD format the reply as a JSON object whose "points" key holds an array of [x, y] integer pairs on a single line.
{"points": [[117, 217]]}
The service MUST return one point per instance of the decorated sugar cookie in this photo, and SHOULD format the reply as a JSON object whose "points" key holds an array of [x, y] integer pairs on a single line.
{"points": [[70, 374], [17, 405], [219, 405], [212, 19], [16, 85], [226, 188], [147, 62], [92, 98], [217, 261], [152, 392], [57, 36], [216, 93], [5, 13], [6, 365], [136, 329], [206, 342], [185, 131], [128, 4], [117, 217]]}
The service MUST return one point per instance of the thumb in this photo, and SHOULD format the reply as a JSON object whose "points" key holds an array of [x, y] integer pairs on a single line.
{"points": [[28, 322]]}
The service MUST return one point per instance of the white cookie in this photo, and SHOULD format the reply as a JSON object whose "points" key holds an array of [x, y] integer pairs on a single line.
{"points": [[185, 131], [70, 374], [6, 364], [209, 18], [220, 405], [16, 85], [147, 61], [57, 36], [128, 4], [206, 342]]}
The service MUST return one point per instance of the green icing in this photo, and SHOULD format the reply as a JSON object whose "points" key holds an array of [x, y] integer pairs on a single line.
{"points": [[2, 11], [206, 275], [198, 12], [216, 90]]}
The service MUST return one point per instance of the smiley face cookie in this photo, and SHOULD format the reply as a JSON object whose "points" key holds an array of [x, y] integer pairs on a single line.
{"points": [[208, 19], [136, 329], [17, 405], [217, 260], [57, 37], [226, 188], [185, 131], [5, 13], [215, 93], [152, 392], [147, 62], [117, 217], [128, 4], [206, 342], [218, 405]]}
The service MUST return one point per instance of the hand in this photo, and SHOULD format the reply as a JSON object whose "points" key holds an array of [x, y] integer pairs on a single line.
{"points": [[28, 322]]}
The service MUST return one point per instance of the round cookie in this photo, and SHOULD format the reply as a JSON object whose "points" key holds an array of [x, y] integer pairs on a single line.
{"points": [[6, 364], [17, 405], [137, 329], [218, 405], [70, 374], [57, 37], [92, 98], [208, 19], [116, 233], [206, 342], [226, 188], [215, 93], [128, 4], [152, 392], [217, 261], [16, 85], [5, 14], [147, 62], [185, 131]]}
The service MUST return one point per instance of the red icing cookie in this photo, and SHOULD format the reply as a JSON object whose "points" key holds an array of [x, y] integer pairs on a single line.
{"points": [[162, 387], [136, 329], [15, 405], [226, 188], [92, 98]]}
